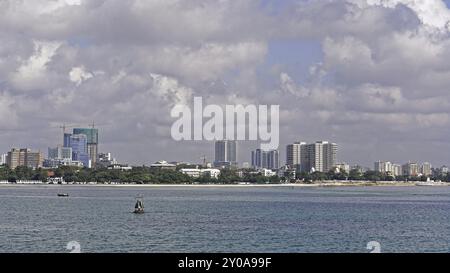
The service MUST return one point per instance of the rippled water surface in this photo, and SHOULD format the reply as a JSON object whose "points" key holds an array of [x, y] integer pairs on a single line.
{"points": [[232, 219]]}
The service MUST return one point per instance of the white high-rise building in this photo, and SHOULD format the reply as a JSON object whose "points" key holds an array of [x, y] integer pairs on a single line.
{"points": [[3, 159], [320, 156], [383, 166], [410, 169], [293, 154], [396, 169], [426, 169], [387, 167]]}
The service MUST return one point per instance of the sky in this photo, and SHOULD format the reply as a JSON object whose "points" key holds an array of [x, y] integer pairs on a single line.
{"points": [[370, 75]]}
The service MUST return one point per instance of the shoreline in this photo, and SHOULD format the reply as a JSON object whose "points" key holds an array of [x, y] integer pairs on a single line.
{"points": [[289, 185]]}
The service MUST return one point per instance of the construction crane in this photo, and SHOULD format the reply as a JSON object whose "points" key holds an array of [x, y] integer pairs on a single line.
{"points": [[65, 126]]}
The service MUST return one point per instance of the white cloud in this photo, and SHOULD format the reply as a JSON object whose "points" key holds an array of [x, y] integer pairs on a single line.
{"points": [[432, 13], [33, 70], [170, 90], [79, 74]]}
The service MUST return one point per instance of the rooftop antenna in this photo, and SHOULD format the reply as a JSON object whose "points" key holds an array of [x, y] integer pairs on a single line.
{"points": [[93, 124]]}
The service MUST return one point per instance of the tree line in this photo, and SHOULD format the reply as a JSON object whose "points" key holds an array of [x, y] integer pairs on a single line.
{"points": [[139, 175], [147, 175]]}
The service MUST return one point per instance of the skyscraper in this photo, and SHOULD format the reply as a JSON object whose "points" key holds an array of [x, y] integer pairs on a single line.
{"points": [[78, 143], [225, 153], [92, 142]]}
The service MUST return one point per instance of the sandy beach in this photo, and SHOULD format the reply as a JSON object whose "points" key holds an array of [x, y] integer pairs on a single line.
{"points": [[315, 184]]}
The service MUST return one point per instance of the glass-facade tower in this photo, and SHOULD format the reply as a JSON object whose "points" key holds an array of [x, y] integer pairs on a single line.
{"points": [[92, 142]]}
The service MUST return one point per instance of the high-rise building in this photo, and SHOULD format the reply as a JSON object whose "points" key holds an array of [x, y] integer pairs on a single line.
{"points": [[426, 169], [257, 159], [225, 153], [273, 160], [396, 169], [3, 158], [67, 140], [265, 159], [92, 142], [383, 167], [79, 147], [410, 169], [24, 157], [293, 154], [78, 143], [320, 156], [330, 156], [387, 167], [13, 160]]}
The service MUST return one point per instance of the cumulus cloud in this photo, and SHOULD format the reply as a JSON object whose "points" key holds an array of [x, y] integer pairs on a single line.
{"points": [[379, 71], [79, 74], [432, 13]]}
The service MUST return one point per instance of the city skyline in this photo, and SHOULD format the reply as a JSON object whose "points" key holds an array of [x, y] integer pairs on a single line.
{"points": [[304, 157], [368, 75]]}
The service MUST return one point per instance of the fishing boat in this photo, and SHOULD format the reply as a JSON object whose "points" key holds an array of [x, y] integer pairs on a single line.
{"points": [[139, 206], [63, 195]]}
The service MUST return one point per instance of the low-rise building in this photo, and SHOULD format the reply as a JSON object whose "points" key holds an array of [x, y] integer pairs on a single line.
{"points": [[287, 172], [120, 167], [196, 173], [106, 160], [58, 162], [267, 172], [163, 165], [343, 167]]}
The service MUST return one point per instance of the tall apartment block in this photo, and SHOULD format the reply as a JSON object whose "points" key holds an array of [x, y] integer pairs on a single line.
{"points": [[293, 154], [320, 156]]}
